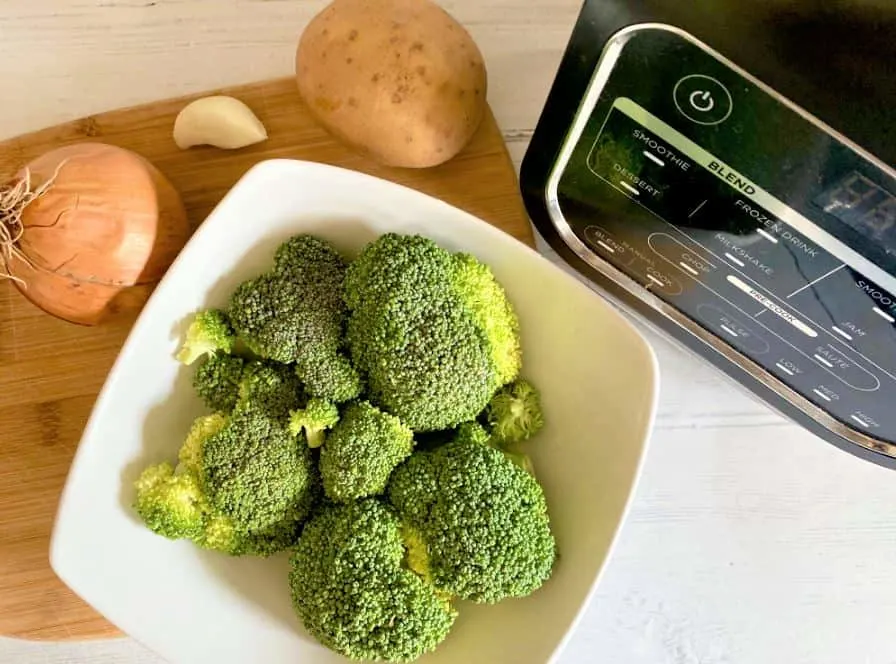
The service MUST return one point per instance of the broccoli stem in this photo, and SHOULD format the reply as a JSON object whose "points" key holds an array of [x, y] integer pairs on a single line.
{"points": [[514, 413], [317, 416], [315, 437]]}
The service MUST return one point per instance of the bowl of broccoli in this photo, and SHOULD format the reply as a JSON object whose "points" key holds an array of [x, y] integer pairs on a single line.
{"points": [[354, 423]]}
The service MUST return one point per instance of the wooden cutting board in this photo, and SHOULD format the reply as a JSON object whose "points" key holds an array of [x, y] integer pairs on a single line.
{"points": [[51, 371]]}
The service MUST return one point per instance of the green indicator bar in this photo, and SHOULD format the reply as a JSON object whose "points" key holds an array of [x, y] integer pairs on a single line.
{"points": [[712, 163], [773, 228]]}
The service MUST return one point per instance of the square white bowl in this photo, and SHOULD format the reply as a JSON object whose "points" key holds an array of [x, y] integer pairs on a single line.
{"points": [[598, 376]]}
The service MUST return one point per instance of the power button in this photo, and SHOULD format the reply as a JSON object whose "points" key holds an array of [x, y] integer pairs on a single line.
{"points": [[702, 99]]}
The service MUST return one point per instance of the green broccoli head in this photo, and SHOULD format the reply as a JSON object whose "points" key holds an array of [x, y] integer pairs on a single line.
{"points": [[170, 504], [242, 485], [270, 387], [353, 592], [263, 312], [209, 332], [313, 420], [217, 381], [307, 258], [472, 432], [483, 519], [514, 413], [190, 454], [476, 286], [294, 314], [220, 535], [171, 500], [432, 332], [329, 375], [255, 474], [361, 452]]}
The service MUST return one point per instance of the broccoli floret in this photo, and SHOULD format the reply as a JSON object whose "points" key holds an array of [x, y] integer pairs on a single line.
{"points": [[483, 519], [263, 314], [294, 314], [472, 432], [242, 485], [270, 387], [220, 535], [217, 381], [170, 504], [209, 332], [514, 413], [189, 456], [170, 500], [432, 331], [254, 473], [354, 594], [475, 284], [361, 452], [329, 375], [308, 258], [313, 420]]}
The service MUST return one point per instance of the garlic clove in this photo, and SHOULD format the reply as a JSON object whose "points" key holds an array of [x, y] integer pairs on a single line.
{"points": [[220, 121]]}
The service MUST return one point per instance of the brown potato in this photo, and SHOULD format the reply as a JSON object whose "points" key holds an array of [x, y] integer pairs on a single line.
{"points": [[399, 80]]}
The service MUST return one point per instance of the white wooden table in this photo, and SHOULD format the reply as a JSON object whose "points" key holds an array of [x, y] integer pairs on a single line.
{"points": [[750, 541]]}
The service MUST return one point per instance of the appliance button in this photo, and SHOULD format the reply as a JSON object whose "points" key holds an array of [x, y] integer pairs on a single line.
{"points": [[732, 330], [864, 420], [789, 367], [826, 394], [606, 244], [702, 99], [679, 255], [845, 369], [662, 282]]}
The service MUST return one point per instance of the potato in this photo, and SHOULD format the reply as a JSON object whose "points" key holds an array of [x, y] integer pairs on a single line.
{"points": [[399, 80]]}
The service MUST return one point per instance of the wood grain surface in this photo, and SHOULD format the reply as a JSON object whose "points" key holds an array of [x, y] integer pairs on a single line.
{"points": [[51, 370]]}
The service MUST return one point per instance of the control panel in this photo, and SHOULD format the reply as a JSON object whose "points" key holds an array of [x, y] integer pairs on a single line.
{"points": [[767, 232]]}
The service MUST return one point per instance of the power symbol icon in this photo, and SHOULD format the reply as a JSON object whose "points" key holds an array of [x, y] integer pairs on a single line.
{"points": [[702, 101]]}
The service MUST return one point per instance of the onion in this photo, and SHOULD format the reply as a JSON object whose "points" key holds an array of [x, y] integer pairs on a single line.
{"points": [[82, 224]]}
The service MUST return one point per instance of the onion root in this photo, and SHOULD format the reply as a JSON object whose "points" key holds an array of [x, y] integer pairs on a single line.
{"points": [[16, 195]]}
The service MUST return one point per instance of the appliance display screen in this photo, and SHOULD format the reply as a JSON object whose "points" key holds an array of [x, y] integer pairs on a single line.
{"points": [[864, 206]]}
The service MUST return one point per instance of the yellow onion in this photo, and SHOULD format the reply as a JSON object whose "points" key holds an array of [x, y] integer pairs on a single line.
{"points": [[84, 224]]}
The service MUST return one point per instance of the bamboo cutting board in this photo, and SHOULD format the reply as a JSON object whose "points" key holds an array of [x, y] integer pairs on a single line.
{"points": [[51, 371]]}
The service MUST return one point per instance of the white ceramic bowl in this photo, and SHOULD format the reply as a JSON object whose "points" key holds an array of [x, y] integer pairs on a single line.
{"points": [[597, 373]]}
